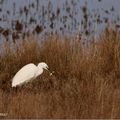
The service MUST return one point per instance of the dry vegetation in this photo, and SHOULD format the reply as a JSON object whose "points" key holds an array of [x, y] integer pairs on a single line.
{"points": [[86, 83]]}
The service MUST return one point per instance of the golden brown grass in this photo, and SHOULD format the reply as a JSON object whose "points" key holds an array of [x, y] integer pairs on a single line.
{"points": [[86, 83]]}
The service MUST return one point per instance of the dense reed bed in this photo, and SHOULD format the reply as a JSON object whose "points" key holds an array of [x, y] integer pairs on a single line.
{"points": [[86, 83]]}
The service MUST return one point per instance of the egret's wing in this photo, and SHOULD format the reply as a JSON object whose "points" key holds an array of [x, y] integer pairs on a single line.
{"points": [[25, 74]]}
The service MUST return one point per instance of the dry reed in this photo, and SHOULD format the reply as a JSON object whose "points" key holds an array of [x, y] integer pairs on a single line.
{"points": [[86, 84]]}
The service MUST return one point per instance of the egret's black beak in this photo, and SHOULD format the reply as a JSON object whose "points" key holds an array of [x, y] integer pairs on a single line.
{"points": [[49, 71], [47, 68]]}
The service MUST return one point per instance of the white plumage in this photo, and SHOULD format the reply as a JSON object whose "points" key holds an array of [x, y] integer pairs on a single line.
{"points": [[27, 73]]}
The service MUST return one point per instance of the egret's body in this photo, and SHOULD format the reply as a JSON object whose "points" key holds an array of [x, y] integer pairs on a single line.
{"points": [[27, 73]]}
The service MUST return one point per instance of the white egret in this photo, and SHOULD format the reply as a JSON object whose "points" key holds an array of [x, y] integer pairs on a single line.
{"points": [[28, 73]]}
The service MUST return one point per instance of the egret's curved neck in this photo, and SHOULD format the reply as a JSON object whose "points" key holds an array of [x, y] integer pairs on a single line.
{"points": [[39, 71]]}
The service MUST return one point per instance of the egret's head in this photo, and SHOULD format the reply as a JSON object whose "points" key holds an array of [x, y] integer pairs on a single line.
{"points": [[43, 65]]}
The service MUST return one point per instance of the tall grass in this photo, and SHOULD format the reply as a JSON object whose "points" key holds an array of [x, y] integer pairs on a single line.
{"points": [[85, 83]]}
